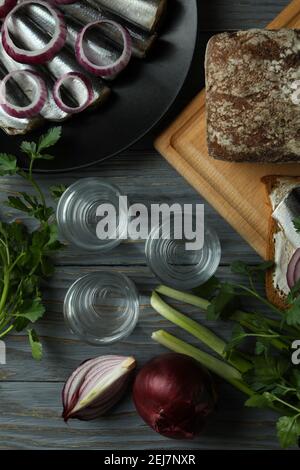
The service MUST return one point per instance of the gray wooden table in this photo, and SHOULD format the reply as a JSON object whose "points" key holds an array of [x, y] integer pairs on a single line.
{"points": [[30, 392]]}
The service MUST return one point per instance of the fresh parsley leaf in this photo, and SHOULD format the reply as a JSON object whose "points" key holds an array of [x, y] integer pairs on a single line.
{"points": [[36, 347], [295, 291], [296, 223], [237, 336], [57, 191], [32, 310], [266, 372], [28, 147], [17, 203], [222, 302], [261, 347], [240, 267], [288, 430], [49, 139], [207, 289], [8, 164], [292, 317]]}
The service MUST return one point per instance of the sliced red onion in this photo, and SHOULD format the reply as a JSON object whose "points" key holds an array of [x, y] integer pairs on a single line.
{"points": [[99, 69], [85, 97], [6, 6], [38, 56], [96, 386], [38, 99], [293, 271]]}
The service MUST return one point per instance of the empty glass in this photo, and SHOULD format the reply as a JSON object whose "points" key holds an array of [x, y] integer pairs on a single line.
{"points": [[178, 267], [102, 307], [78, 214]]}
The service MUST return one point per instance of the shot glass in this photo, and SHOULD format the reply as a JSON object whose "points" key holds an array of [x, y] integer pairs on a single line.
{"points": [[102, 307], [179, 267], [78, 214]]}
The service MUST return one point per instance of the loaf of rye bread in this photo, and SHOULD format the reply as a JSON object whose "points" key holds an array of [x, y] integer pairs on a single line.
{"points": [[252, 112]]}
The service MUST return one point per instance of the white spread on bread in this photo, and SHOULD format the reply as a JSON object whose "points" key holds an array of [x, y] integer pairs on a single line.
{"points": [[284, 239]]}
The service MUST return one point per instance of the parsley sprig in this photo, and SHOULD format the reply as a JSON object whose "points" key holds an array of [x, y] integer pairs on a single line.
{"points": [[259, 349], [25, 256]]}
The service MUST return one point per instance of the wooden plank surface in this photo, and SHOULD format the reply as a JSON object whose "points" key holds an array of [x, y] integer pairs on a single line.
{"points": [[30, 392], [233, 189]]}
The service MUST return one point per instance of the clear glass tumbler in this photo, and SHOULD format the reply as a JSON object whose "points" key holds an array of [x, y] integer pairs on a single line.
{"points": [[102, 307], [78, 214], [178, 267]]}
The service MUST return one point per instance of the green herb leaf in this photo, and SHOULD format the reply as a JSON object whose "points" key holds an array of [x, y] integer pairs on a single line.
{"points": [[8, 164], [222, 302], [292, 317], [57, 191], [36, 347], [32, 310], [266, 372], [28, 147], [261, 348], [49, 139], [288, 430], [207, 289], [296, 223], [17, 203]]}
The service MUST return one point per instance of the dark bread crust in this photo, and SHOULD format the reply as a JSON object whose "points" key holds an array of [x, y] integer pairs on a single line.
{"points": [[275, 296], [250, 112]]}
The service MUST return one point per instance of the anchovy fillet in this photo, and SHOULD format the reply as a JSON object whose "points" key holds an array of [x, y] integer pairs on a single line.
{"points": [[29, 35], [144, 13], [88, 11]]}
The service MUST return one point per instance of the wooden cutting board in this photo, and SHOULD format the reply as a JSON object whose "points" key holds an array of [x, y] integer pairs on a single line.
{"points": [[233, 189]]}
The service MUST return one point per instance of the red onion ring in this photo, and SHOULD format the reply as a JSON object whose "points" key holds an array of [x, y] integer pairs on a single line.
{"points": [[35, 106], [85, 81], [293, 271], [6, 6], [64, 2], [41, 55], [104, 70]]}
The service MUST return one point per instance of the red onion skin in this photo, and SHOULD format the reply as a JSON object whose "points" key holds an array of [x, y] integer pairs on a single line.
{"points": [[174, 395], [6, 7], [293, 272]]}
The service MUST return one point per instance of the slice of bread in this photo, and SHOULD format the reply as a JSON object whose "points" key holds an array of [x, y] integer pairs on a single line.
{"points": [[273, 182]]}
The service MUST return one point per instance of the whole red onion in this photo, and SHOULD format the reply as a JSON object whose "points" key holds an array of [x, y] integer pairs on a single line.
{"points": [[174, 395]]}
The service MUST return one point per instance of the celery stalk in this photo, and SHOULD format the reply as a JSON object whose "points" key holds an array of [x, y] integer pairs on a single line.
{"points": [[198, 331], [218, 367], [185, 297]]}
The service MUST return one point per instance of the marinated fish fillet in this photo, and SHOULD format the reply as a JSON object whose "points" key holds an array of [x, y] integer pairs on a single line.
{"points": [[8, 124], [84, 12], [99, 47], [50, 110], [30, 36], [144, 13]]}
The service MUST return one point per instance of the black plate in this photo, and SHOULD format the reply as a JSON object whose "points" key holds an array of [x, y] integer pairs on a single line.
{"points": [[141, 96]]}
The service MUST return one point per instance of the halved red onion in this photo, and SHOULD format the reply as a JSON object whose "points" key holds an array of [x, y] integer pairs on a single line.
{"points": [[96, 386], [6, 6], [100, 69], [39, 94], [38, 56], [293, 271], [84, 98]]}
